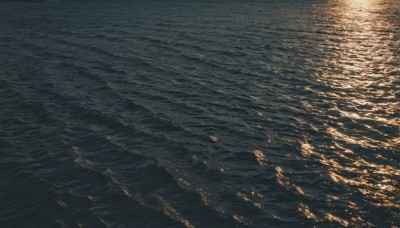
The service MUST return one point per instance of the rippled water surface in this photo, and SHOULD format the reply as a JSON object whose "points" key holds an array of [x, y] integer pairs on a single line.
{"points": [[200, 113]]}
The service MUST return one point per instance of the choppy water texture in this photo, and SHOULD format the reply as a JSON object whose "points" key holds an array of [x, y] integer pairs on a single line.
{"points": [[200, 114]]}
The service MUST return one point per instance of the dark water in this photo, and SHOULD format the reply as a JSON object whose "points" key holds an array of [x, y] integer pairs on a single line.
{"points": [[200, 114]]}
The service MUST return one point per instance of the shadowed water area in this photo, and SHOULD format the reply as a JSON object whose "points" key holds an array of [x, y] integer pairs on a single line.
{"points": [[200, 113]]}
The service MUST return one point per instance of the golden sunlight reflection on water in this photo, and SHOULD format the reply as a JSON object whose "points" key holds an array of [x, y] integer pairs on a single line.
{"points": [[362, 98]]}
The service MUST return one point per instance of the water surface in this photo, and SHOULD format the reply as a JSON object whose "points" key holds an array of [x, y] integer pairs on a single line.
{"points": [[200, 113]]}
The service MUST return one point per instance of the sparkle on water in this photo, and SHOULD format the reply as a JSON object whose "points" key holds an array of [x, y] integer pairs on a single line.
{"points": [[360, 76]]}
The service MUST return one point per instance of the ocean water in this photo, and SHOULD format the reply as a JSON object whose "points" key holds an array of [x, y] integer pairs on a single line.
{"points": [[276, 113]]}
